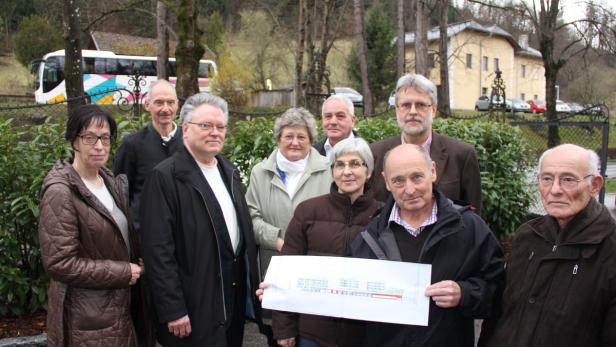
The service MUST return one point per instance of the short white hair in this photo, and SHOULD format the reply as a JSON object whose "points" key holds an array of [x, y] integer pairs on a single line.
{"points": [[160, 82], [348, 103], [193, 102], [354, 145], [593, 159]]}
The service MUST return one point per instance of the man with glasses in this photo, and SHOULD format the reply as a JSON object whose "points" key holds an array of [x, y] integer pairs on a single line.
{"points": [[561, 273], [338, 117], [457, 167], [421, 225], [198, 242], [142, 150]]}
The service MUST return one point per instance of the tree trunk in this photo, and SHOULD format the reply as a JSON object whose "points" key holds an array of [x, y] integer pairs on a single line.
{"points": [[73, 72], [189, 50], [363, 56], [421, 38], [443, 95], [401, 32], [162, 36], [299, 54]]}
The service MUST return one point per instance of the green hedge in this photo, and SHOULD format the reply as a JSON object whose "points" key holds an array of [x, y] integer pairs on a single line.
{"points": [[503, 159]]}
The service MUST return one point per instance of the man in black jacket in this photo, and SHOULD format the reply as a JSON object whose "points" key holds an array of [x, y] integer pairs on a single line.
{"points": [[198, 243], [421, 225], [144, 149]]}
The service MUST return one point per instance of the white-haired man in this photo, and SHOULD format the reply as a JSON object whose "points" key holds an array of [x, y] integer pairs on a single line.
{"points": [[338, 117], [561, 274]]}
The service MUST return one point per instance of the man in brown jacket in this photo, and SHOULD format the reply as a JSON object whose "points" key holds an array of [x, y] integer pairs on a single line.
{"points": [[456, 162], [561, 274]]}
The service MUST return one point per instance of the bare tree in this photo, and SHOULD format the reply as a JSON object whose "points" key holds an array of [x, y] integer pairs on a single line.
{"points": [[162, 17], [73, 73], [421, 38], [401, 34], [362, 56], [299, 53], [443, 95]]}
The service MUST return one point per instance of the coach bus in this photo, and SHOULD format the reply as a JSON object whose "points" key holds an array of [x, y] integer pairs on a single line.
{"points": [[103, 73]]}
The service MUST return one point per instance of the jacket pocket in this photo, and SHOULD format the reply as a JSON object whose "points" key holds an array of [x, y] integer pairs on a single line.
{"points": [[92, 309]]}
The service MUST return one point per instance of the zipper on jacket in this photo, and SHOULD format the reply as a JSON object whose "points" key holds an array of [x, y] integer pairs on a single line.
{"points": [[554, 248], [575, 269], [532, 253], [222, 283]]}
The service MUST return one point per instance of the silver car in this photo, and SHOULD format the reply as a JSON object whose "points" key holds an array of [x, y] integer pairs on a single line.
{"points": [[352, 94]]}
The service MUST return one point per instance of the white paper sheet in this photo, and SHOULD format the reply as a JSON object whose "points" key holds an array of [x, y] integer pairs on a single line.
{"points": [[365, 289]]}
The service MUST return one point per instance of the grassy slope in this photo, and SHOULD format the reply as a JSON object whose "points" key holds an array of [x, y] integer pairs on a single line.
{"points": [[14, 78]]}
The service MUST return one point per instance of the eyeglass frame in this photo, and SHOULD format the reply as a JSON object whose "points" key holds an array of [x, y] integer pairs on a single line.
{"points": [[352, 165], [209, 127], [106, 139], [419, 106], [575, 182]]}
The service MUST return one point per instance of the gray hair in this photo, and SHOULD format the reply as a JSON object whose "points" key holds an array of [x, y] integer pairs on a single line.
{"points": [[296, 116], [357, 146], [199, 99], [419, 83], [593, 159], [345, 99], [160, 82], [424, 153]]}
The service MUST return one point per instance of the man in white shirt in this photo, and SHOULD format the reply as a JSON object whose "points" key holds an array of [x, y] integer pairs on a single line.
{"points": [[338, 117]]}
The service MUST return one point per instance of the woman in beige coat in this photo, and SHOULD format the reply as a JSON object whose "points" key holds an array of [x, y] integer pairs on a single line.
{"points": [[293, 173], [86, 242]]}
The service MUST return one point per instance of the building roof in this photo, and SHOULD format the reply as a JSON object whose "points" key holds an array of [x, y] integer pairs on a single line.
{"points": [[132, 45], [490, 29]]}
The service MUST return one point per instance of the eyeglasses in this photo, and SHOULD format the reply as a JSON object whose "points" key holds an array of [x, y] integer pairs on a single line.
{"points": [[419, 106], [565, 182], [90, 139], [353, 165], [209, 127]]}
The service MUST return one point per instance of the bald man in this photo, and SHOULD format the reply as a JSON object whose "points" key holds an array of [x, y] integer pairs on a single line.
{"points": [[561, 274], [422, 225]]}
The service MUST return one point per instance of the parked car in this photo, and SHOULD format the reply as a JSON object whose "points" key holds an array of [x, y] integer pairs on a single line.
{"points": [[352, 94], [575, 107], [518, 105], [483, 103], [536, 106], [592, 110], [391, 101], [562, 107]]}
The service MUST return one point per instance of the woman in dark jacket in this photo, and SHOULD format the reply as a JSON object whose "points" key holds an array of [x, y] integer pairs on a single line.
{"points": [[325, 226], [87, 244]]}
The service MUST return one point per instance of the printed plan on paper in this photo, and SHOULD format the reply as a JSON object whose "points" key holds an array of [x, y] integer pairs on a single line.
{"points": [[364, 289]]}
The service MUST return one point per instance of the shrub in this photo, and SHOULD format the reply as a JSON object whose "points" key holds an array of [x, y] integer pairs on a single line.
{"points": [[502, 155], [35, 38]]}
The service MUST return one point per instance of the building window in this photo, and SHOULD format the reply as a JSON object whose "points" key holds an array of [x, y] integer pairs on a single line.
{"points": [[484, 91], [522, 96], [523, 71], [496, 68], [469, 61], [431, 58], [485, 63]]}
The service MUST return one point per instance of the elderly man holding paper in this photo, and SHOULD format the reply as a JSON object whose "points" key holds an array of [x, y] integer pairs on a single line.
{"points": [[421, 225]]}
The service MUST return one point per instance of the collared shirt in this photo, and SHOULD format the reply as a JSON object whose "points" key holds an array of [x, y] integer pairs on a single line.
{"points": [[171, 134], [394, 216], [426, 145], [329, 148]]}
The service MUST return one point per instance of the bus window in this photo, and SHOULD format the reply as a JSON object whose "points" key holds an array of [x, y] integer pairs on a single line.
{"points": [[124, 67], [204, 71], [89, 65], [171, 67], [145, 67], [53, 73]]}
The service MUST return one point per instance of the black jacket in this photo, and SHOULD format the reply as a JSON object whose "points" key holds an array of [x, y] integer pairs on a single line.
{"points": [[461, 248], [137, 156], [561, 284], [183, 250], [320, 146]]}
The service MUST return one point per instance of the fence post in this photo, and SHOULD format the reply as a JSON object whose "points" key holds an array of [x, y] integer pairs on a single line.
{"points": [[136, 81], [605, 138]]}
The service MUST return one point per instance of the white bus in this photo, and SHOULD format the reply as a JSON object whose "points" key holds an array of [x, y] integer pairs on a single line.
{"points": [[105, 71]]}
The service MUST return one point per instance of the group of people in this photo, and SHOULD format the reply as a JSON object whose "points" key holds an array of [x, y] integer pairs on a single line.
{"points": [[167, 249]]}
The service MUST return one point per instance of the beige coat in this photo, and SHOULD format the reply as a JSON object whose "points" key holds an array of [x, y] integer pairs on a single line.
{"points": [[87, 259], [271, 208]]}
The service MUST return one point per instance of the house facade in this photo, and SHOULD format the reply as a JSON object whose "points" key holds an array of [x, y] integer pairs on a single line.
{"points": [[475, 52]]}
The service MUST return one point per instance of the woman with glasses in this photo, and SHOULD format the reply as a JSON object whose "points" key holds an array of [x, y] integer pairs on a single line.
{"points": [[325, 226], [87, 245], [293, 173]]}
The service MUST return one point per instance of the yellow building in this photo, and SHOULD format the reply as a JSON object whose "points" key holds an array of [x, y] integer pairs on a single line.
{"points": [[475, 52]]}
